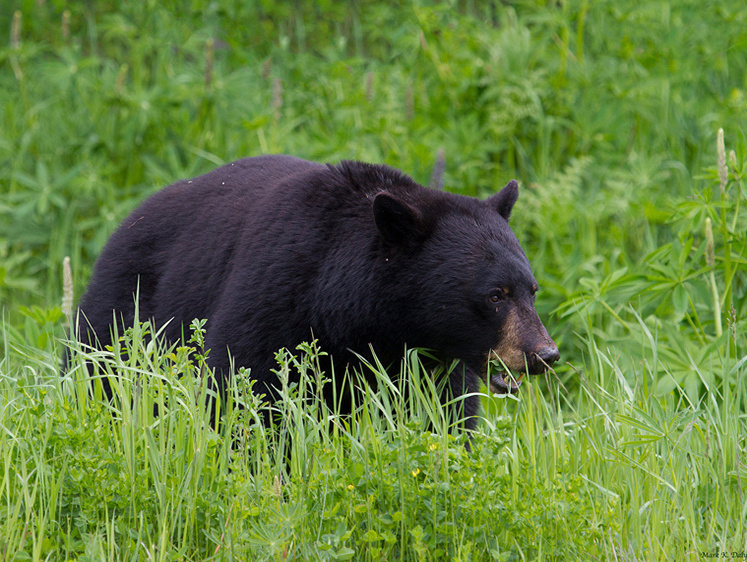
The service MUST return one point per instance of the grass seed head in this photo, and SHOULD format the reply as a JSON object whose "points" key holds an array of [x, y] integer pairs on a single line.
{"points": [[277, 97], [209, 60], [67, 290], [15, 31], [710, 254], [722, 171], [65, 25], [369, 86]]}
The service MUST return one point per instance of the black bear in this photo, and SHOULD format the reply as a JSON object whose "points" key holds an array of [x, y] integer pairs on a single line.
{"points": [[274, 251]]}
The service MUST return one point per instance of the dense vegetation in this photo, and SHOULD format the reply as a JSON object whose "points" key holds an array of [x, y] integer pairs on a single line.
{"points": [[631, 212]]}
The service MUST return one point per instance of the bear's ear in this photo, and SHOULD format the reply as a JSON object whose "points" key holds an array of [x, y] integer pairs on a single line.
{"points": [[504, 200], [397, 222]]}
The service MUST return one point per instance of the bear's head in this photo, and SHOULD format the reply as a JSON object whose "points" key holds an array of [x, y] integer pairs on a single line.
{"points": [[469, 288]]}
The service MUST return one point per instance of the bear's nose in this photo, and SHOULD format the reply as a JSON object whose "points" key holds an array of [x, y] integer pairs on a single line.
{"points": [[549, 354]]}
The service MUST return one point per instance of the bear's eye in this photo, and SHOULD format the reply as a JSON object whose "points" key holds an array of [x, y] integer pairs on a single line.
{"points": [[497, 295]]}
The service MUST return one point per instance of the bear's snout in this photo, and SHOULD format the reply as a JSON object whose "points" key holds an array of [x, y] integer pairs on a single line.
{"points": [[539, 361], [548, 354]]}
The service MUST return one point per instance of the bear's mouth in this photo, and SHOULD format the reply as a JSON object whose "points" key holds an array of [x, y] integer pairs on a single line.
{"points": [[502, 378], [505, 382]]}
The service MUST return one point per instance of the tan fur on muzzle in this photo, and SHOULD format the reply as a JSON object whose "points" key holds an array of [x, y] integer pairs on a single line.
{"points": [[523, 337]]}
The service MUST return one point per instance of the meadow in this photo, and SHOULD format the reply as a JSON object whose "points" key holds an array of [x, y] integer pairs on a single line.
{"points": [[624, 123]]}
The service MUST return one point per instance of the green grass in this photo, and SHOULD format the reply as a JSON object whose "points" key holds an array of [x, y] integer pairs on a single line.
{"points": [[607, 112]]}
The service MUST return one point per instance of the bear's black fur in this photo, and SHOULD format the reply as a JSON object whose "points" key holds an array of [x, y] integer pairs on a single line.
{"points": [[275, 250]]}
